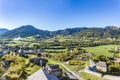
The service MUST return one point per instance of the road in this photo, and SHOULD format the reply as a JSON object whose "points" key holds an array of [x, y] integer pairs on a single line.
{"points": [[70, 71], [73, 73]]}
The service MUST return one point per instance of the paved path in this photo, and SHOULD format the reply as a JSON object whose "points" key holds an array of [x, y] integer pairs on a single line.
{"points": [[73, 73]]}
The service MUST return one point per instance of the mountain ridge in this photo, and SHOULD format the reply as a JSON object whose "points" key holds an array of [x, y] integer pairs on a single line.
{"points": [[24, 31], [29, 30], [3, 30]]}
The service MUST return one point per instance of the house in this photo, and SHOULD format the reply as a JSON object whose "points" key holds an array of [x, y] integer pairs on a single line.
{"points": [[24, 53], [21, 52], [1, 55], [84, 59], [101, 66], [43, 54], [66, 59], [3, 52], [29, 51], [18, 38], [56, 40], [39, 50], [117, 48], [92, 66], [39, 61], [6, 63], [117, 60], [42, 75], [54, 69], [88, 54]]}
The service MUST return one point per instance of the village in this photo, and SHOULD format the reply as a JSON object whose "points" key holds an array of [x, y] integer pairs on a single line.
{"points": [[21, 62]]}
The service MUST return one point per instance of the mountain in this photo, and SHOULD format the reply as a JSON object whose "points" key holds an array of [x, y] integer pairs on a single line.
{"points": [[68, 31], [3, 30], [29, 30], [107, 32], [112, 27], [25, 31]]}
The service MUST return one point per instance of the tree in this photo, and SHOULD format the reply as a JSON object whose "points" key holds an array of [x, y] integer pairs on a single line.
{"points": [[23, 74]]}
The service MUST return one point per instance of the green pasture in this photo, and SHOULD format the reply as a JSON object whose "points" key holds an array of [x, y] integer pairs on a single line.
{"points": [[101, 50]]}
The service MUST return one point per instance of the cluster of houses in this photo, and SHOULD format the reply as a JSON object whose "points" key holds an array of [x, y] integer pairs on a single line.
{"points": [[4, 52], [21, 52], [49, 72], [19, 38], [101, 65]]}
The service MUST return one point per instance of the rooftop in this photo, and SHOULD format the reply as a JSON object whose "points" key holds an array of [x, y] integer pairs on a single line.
{"points": [[102, 64], [42, 75], [53, 66]]}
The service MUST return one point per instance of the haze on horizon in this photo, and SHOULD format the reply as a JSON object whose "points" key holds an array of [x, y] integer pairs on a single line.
{"points": [[59, 14]]}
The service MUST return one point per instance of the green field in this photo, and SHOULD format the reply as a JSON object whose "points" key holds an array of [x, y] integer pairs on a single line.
{"points": [[88, 76], [101, 50]]}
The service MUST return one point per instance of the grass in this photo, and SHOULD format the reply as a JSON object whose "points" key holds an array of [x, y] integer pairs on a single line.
{"points": [[20, 65], [1, 71], [78, 66], [101, 50], [31, 69], [88, 76]]}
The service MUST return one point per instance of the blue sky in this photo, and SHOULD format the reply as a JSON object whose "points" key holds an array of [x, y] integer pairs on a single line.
{"points": [[59, 14]]}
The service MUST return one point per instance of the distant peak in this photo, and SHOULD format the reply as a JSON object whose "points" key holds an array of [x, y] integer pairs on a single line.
{"points": [[113, 27], [27, 27], [3, 29]]}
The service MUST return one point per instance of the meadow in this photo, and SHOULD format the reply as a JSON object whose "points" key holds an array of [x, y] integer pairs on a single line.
{"points": [[101, 50]]}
